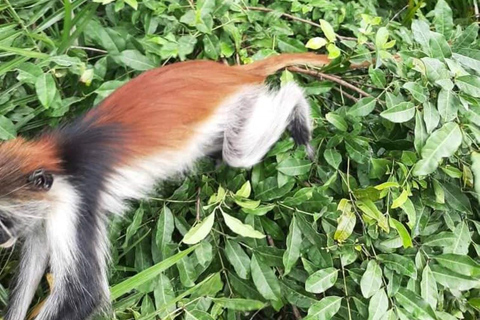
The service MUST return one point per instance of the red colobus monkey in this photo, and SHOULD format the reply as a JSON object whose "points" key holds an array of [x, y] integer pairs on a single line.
{"points": [[57, 191]]}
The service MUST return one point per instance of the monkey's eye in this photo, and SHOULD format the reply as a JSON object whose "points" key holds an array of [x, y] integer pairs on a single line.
{"points": [[41, 180]]}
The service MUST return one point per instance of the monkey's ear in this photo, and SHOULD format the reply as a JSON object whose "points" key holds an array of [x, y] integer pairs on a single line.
{"points": [[41, 180]]}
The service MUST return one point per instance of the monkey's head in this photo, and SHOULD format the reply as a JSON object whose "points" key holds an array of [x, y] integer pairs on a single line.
{"points": [[27, 171]]}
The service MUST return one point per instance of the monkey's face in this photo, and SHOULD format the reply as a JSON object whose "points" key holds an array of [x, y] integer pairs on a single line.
{"points": [[26, 176], [23, 202]]}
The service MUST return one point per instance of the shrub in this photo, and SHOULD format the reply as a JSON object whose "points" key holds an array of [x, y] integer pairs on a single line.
{"points": [[383, 225]]}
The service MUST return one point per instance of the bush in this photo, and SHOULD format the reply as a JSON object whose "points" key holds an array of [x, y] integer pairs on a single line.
{"points": [[383, 225]]}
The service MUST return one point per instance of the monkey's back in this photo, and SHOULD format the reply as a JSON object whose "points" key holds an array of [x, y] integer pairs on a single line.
{"points": [[161, 108]]}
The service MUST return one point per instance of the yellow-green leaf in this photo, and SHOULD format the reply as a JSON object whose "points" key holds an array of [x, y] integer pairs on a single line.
{"points": [[316, 43], [328, 30], [237, 226], [200, 231], [402, 198]]}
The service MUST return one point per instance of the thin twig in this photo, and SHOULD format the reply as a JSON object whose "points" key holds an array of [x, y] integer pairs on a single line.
{"points": [[89, 49], [475, 7], [343, 93], [330, 77], [399, 12], [291, 17], [197, 204]]}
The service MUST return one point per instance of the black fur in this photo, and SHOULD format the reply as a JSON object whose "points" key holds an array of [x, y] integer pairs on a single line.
{"points": [[299, 130], [88, 152]]}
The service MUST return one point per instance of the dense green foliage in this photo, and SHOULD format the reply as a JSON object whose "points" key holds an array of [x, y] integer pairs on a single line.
{"points": [[383, 225]]}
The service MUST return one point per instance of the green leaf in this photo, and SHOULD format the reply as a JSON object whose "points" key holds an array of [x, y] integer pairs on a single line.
{"points": [[29, 72], [346, 224], [260, 210], [469, 84], [439, 46], [402, 198], [328, 30], [199, 231], [387, 185], [333, 51], [135, 60], [371, 280], [378, 305], [462, 239], [294, 241], [337, 121], [456, 198], [246, 203], [447, 105], [324, 309], [417, 91], [460, 263], [134, 226], [402, 112], [132, 3], [245, 190], [402, 231], [296, 295], [238, 304], [475, 169], [7, 129], [164, 294], [238, 258], [294, 167], [435, 69], [333, 157], [147, 275], [431, 117], [399, 264], [443, 18], [46, 89], [378, 77], [240, 228], [428, 287], [381, 38], [211, 46], [420, 132], [467, 37], [415, 305], [286, 44], [165, 228], [421, 33], [197, 315], [442, 143], [321, 280], [187, 272], [453, 280], [469, 58], [265, 280], [371, 210], [363, 107]]}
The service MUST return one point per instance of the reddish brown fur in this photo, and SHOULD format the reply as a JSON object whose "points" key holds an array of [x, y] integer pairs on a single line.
{"points": [[19, 158], [161, 108]]}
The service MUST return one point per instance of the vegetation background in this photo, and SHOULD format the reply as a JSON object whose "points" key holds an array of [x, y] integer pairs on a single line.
{"points": [[383, 225]]}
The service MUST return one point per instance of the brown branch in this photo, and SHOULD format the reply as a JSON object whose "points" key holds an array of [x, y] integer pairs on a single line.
{"points": [[330, 77], [291, 17], [343, 93]]}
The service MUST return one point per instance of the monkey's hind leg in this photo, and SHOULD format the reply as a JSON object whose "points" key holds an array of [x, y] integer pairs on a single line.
{"points": [[255, 127]]}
